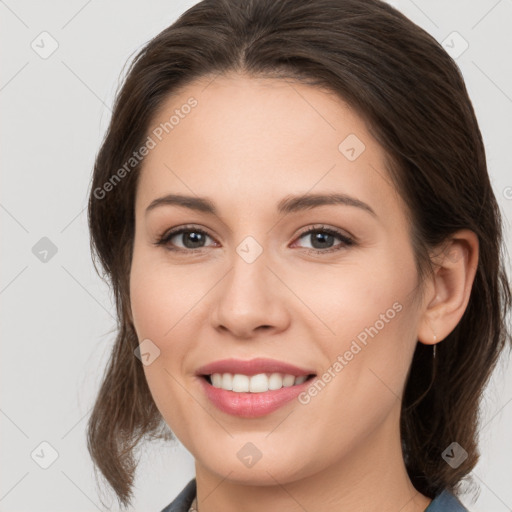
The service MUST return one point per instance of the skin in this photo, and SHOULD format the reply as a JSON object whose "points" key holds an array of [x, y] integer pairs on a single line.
{"points": [[249, 143]]}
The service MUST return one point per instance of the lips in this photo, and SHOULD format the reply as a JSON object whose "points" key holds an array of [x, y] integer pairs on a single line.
{"points": [[258, 402], [252, 367], [251, 405]]}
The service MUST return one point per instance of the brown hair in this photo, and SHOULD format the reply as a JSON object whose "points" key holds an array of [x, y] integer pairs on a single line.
{"points": [[414, 100]]}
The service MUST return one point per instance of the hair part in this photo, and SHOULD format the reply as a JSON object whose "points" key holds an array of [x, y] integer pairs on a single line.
{"points": [[413, 99]]}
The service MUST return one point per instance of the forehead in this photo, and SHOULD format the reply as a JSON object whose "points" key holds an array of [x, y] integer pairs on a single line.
{"points": [[252, 139]]}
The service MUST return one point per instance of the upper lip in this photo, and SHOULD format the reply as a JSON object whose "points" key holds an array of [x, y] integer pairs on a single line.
{"points": [[252, 367]]}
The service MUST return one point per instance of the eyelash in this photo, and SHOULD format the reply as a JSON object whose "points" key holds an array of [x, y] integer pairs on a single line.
{"points": [[164, 239]]}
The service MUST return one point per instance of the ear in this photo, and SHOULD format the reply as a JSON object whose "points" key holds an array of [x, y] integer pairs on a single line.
{"points": [[449, 288]]}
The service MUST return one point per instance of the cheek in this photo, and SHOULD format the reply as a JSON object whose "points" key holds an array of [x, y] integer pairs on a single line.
{"points": [[365, 315], [158, 303], [153, 304], [161, 295], [166, 304], [347, 299]]}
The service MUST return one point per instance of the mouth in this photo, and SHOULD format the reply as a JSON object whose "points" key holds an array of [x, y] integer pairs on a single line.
{"points": [[259, 383], [252, 388], [253, 396]]}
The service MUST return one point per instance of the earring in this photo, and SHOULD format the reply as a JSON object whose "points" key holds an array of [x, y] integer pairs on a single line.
{"points": [[434, 345]]}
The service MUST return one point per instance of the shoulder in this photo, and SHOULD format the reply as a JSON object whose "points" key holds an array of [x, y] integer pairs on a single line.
{"points": [[184, 499], [446, 501]]}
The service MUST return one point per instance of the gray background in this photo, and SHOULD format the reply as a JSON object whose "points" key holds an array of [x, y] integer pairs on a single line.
{"points": [[58, 316]]}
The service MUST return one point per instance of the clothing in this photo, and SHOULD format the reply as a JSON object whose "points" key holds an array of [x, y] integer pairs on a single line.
{"points": [[446, 502], [443, 502], [184, 499]]}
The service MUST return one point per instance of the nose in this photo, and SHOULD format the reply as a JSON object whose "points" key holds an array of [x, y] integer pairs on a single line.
{"points": [[250, 299]]}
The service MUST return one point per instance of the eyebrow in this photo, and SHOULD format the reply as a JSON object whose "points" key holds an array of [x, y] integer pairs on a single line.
{"points": [[287, 205]]}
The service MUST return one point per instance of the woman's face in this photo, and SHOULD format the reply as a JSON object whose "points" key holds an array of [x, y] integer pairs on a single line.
{"points": [[255, 284]]}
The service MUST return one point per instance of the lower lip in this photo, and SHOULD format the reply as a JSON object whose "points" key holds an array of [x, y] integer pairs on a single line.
{"points": [[251, 405]]}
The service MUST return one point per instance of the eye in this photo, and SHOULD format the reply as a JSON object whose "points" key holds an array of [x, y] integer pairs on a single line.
{"points": [[322, 238], [194, 239], [191, 237]]}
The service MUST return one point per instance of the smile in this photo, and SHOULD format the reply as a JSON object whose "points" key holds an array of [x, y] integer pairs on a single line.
{"points": [[260, 383], [252, 400]]}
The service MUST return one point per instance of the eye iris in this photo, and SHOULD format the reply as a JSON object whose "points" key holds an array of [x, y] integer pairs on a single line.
{"points": [[323, 238], [195, 237]]}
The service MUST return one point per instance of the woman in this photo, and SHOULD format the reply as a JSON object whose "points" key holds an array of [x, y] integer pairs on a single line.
{"points": [[344, 374]]}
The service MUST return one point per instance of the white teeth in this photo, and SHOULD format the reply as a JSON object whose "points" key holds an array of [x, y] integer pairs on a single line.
{"points": [[240, 383], [216, 380], [258, 383], [227, 381], [300, 380], [255, 383], [275, 381]]}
